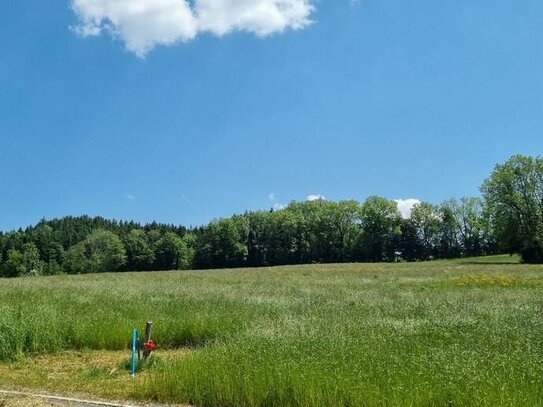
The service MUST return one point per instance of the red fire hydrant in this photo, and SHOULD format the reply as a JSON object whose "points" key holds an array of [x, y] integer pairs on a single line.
{"points": [[149, 346]]}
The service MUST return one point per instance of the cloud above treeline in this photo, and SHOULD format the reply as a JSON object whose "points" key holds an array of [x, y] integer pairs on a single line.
{"points": [[276, 204], [405, 206], [316, 198], [144, 24]]}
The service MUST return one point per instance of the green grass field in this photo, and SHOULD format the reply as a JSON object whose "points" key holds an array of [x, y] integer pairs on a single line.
{"points": [[445, 333]]}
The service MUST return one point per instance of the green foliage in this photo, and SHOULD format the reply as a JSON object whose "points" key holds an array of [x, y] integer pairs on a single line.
{"points": [[427, 220], [472, 226], [509, 219], [139, 252], [14, 264], [101, 251], [381, 222], [304, 232], [173, 253], [31, 259], [76, 260], [326, 230], [514, 196], [223, 243], [24, 262]]}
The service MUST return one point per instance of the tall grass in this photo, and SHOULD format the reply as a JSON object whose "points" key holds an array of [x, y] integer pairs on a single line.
{"points": [[429, 334]]}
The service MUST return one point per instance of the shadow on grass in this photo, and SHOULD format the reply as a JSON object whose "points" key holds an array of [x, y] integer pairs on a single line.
{"points": [[497, 260], [490, 263]]}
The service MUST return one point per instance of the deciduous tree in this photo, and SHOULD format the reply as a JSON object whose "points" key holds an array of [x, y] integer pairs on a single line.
{"points": [[514, 195]]}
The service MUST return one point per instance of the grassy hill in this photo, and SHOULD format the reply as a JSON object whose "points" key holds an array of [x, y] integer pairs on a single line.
{"points": [[456, 333]]}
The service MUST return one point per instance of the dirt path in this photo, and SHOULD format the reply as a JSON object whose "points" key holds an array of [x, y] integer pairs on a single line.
{"points": [[14, 398]]}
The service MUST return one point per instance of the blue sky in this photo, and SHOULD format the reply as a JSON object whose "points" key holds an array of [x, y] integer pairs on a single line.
{"points": [[206, 109]]}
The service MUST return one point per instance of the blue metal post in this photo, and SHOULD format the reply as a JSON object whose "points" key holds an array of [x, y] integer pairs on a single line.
{"points": [[134, 346]]}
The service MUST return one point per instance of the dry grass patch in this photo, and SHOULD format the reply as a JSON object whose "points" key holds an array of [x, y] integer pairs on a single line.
{"points": [[26, 401], [97, 373]]}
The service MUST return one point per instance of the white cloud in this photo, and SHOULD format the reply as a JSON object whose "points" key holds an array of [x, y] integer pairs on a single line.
{"points": [[276, 205], [141, 24], [144, 24], [406, 205], [316, 198], [130, 197], [260, 17]]}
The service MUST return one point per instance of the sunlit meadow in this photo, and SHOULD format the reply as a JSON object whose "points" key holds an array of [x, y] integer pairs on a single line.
{"points": [[424, 334]]}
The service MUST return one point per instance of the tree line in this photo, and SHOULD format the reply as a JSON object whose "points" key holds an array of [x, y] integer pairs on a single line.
{"points": [[507, 218]]}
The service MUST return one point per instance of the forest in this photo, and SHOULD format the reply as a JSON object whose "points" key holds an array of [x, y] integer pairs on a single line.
{"points": [[507, 218]]}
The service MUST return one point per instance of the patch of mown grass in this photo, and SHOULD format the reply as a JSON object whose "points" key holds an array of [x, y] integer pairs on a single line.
{"points": [[101, 374], [142, 364], [424, 334]]}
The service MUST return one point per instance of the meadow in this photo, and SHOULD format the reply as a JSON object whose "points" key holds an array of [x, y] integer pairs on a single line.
{"points": [[443, 333]]}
